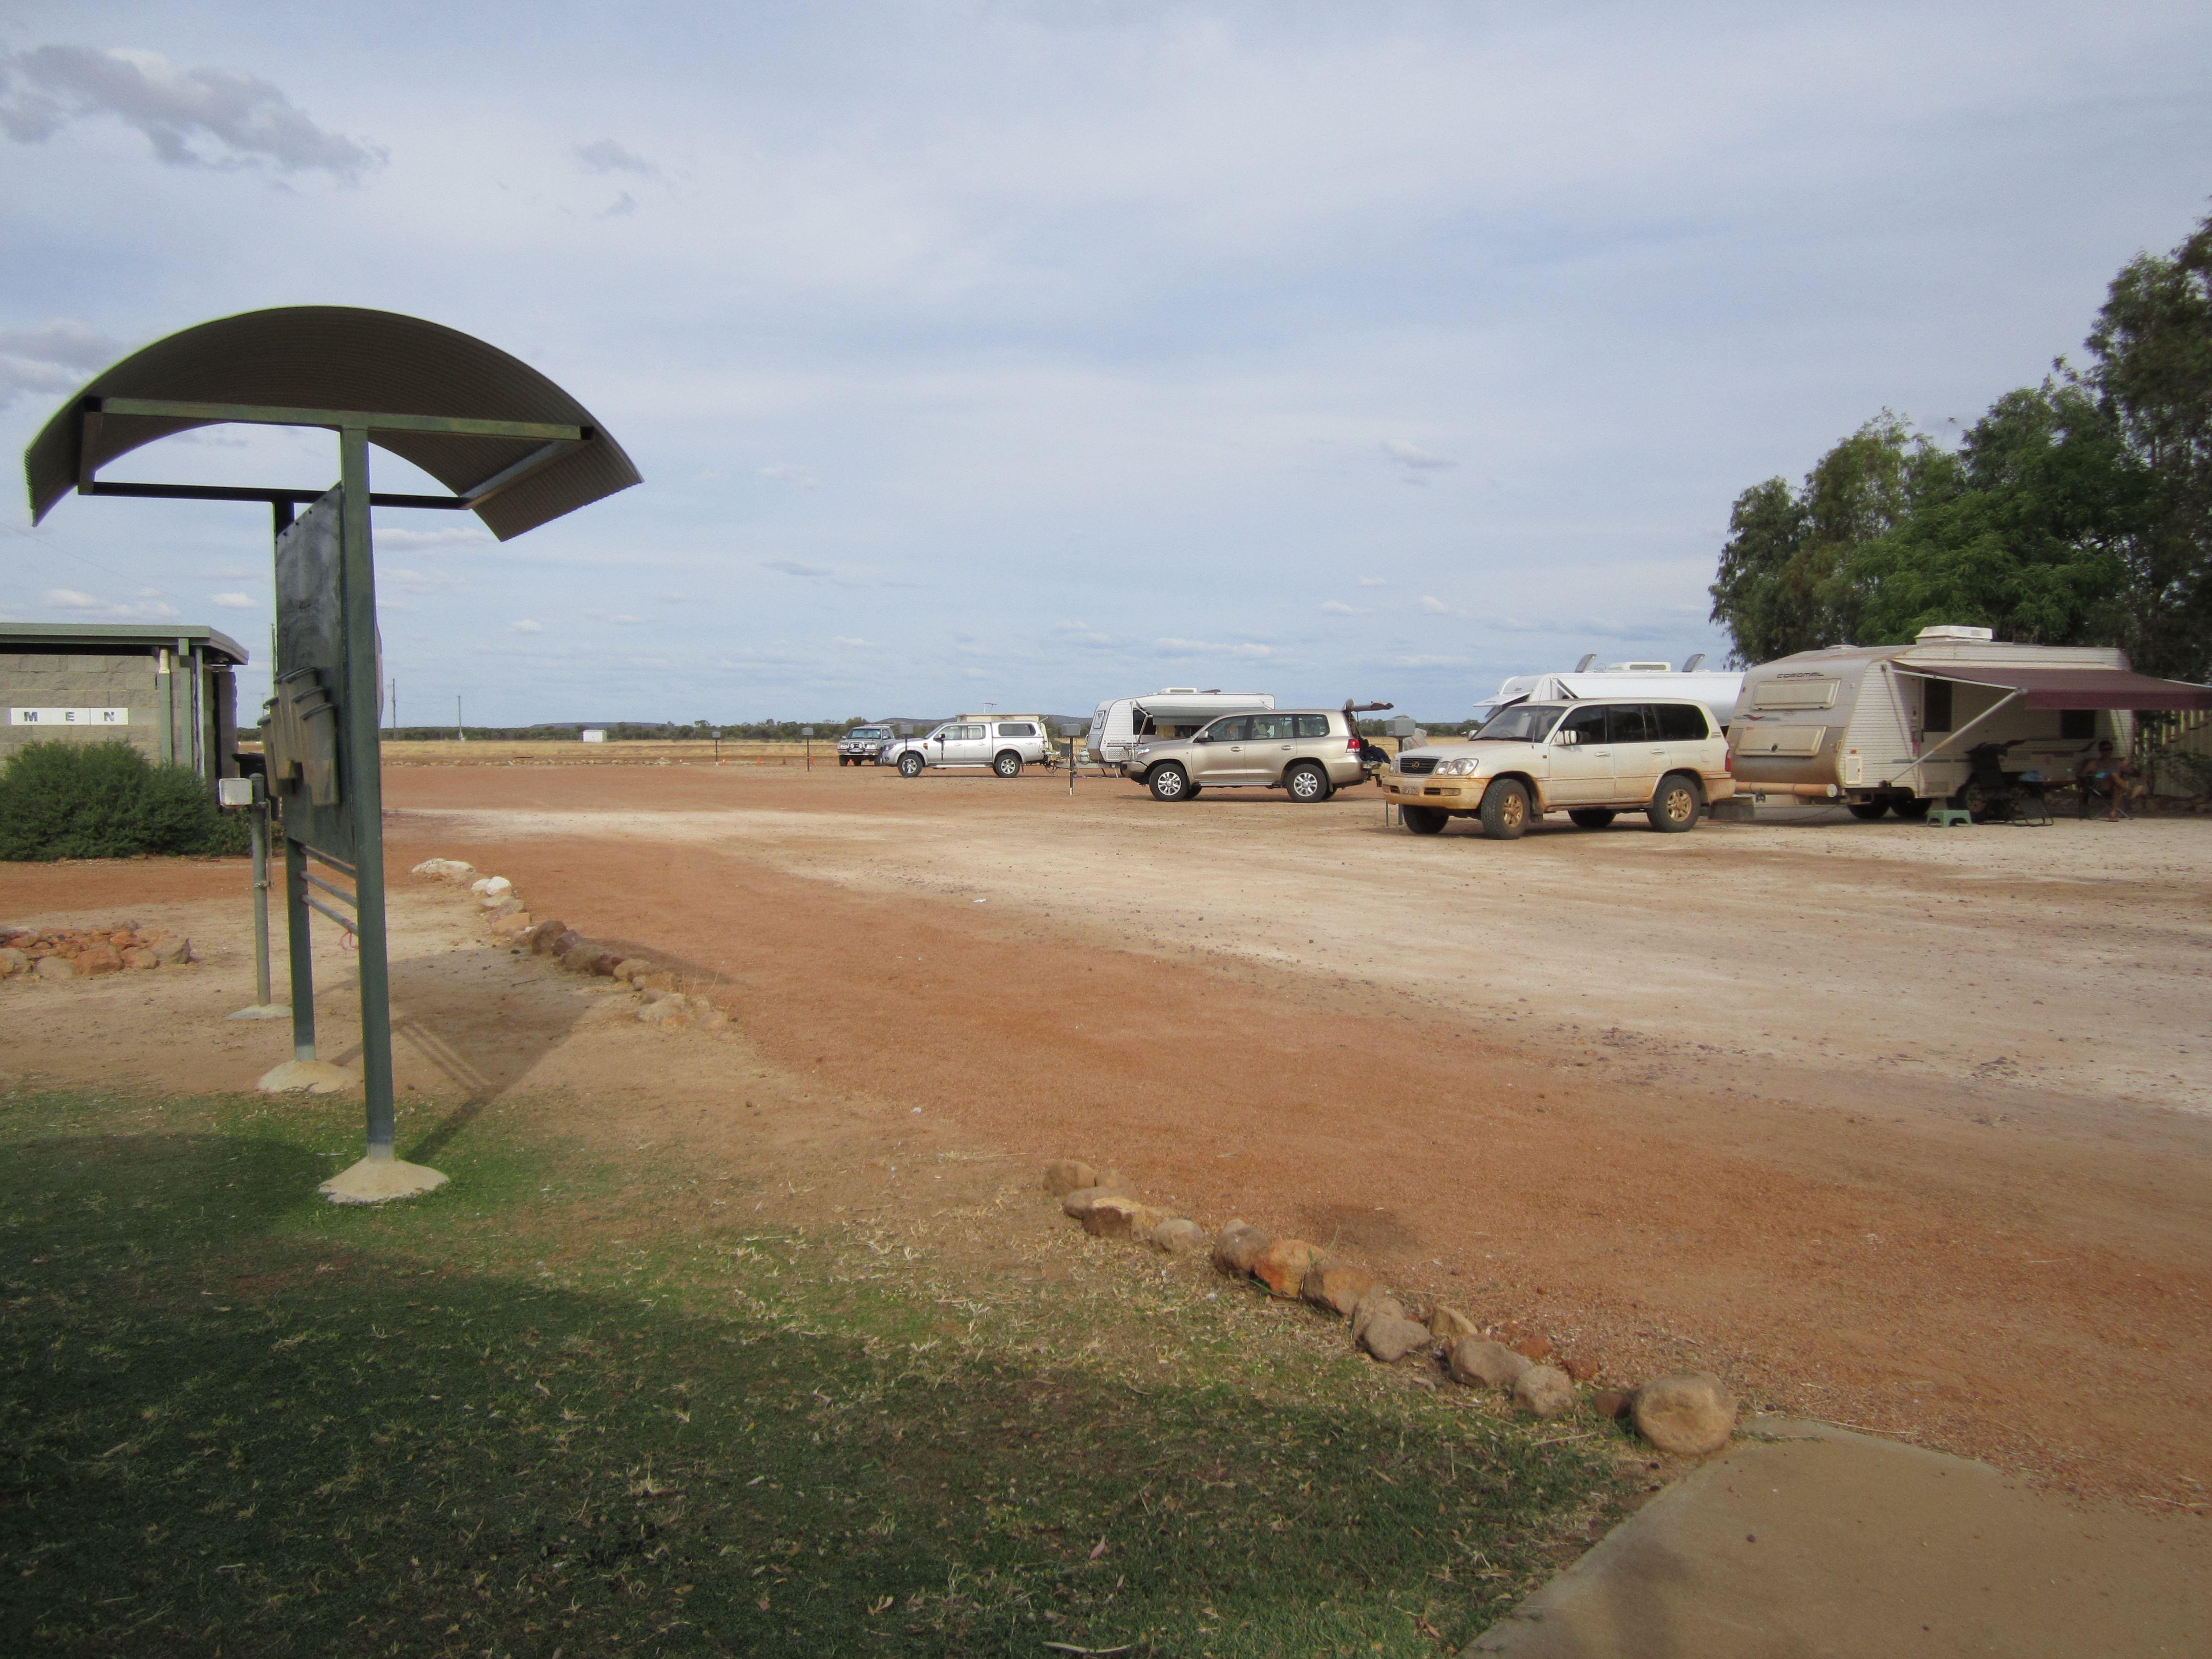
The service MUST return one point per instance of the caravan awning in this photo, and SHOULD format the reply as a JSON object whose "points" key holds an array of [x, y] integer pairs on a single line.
{"points": [[2076, 688]]}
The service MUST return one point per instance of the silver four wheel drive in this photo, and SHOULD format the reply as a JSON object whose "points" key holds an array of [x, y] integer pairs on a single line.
{"points": [[1310, 754], [1004, 746], [864, 744]]}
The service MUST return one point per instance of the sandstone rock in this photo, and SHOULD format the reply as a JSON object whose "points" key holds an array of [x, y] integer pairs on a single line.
{"points": [[1077, 1200], [602, 965], [631, 967], [1282, 1265], [669, 1013], [1688, 1415], [1581, 1366], [139, 956], [547, 934], [1449, 1325], [1536, 1349], [55, 968], [578, 957], [14, 962], [1478, 1360], [662, 980], [1062, 1174], [513, 925], [1544, 1390], [1337, 1286], [1615, 1403], [498, 909], [1390, 1338], [1237, 1247], [1179, 1236], [444, 870], [173, 952], [1375, 1304], [1116, 1215], [494, 888]]}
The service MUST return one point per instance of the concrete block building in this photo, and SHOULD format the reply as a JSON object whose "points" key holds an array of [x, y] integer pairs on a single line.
{"points": [[166, 688]]}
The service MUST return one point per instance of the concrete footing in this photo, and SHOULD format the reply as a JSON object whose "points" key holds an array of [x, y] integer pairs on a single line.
{"points": [[316, 1077], [380, 1180]]}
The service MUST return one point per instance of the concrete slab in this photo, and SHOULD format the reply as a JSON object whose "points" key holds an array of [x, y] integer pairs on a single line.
{"points": [[1805, 1540]]}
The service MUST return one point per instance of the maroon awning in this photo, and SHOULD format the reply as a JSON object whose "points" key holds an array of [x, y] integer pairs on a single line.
{"points": [[2078, 688]]}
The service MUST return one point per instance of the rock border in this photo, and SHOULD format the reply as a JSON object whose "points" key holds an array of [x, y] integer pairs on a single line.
{"points": [[1684, 1414]]}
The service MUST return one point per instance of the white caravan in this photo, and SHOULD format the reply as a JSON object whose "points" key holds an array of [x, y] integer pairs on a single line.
{"points": [[1175, 712], [1891, 728], [1716, 689]]}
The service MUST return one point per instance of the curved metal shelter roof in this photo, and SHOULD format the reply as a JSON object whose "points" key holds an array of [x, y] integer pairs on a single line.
{"points": [[341, 357]]}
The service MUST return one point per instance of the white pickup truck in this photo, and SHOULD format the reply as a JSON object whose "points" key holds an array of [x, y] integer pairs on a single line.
{"points": [[1003, 746]]}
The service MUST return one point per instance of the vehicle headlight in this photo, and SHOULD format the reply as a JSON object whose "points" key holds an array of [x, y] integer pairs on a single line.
{"points": [[1460, 766]]}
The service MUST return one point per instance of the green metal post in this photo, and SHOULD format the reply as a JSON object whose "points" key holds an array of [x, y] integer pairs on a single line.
{"points": [[256, 821], [298, 944], [360, 767]]}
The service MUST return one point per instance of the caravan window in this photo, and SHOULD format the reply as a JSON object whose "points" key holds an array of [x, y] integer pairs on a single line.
{"points": [[2077, 725], [1938, 717]]}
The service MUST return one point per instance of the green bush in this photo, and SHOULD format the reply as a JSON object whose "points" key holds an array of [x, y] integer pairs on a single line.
{"points": [[106, 800]]}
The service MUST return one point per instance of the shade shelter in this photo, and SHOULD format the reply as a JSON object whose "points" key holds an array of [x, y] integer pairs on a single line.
{"points": [[512, 448]]}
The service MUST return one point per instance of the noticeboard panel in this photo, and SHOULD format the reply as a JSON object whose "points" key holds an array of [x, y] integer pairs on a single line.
{"points": [[307, 722]]}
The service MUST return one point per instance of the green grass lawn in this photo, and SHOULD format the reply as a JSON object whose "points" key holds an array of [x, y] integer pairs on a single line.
{"points": [[581, 1406]]}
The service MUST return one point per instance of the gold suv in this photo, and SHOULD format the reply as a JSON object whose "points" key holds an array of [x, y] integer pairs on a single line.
{"points": [[1592, 761], [1310, 754]]}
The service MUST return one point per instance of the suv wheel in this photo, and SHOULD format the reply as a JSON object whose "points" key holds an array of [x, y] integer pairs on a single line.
{"points": [[1593, 818], [1675, 804], [1307, 783], [1008, 764], [909, 766], [1170, 782], [1423, 820], [1504, 811]]}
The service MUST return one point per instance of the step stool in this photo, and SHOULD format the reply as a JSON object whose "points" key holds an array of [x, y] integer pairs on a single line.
{"points": [[1945, 817]]}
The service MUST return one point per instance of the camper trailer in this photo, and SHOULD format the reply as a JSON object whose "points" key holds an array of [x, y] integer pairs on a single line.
{"points": [[1714, 688], [1892, 727], [1175, 712]]}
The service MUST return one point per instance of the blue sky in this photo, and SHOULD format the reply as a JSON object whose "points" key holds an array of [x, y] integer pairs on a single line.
{"points": [[1039, 354]]}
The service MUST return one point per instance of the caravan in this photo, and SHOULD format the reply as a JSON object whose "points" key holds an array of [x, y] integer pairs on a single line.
{"points": [[1895, 727], [1716, 689], [1176, 712]]}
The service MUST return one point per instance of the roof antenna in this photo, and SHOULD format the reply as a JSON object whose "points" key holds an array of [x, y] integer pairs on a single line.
{"points": [[1691, 666], [1583, 667]]}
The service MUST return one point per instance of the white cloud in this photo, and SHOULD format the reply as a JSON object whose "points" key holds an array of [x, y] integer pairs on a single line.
{"points": [[1175, 648], [523, 625], [1413, 455], [1434, 606], [236, 601], [789, 472], [53, 358], [194, 118], [147, 607], [399, 579], [625, 619], [850, 645], [798, 568], [1339, 608]]}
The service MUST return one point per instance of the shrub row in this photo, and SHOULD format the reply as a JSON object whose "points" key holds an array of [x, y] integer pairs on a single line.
{"points": [[106, 800]]}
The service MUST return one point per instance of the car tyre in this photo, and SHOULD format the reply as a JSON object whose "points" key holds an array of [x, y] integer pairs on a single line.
{"points": [[1676, 804], [1307, 783], [1170, 782], [1424, 820], [1866, 812], [1008, 764], [1911, 806], [909, 766], [1593, 818], [1506, 809]]}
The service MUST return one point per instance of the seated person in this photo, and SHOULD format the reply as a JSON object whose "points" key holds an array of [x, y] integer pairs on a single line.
{"points": [[2103, 775]]}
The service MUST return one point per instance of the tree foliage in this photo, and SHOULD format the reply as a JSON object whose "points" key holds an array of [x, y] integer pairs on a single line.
{"points": [[2074, 512], [106, 800]]}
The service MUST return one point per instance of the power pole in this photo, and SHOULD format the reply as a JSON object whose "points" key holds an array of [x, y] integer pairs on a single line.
{"points": [[460, 732]]}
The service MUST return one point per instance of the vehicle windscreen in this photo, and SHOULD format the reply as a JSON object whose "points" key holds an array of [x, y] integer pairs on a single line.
{"points": [[867, 731], [1524, 722]]}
